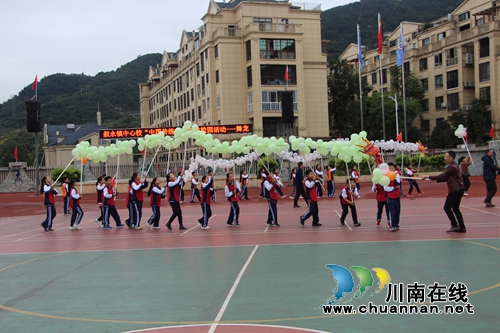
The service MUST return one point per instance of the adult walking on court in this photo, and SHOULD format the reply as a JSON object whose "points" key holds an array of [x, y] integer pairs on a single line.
{"points": [[299, 185], [453, 177], [490, 170]]}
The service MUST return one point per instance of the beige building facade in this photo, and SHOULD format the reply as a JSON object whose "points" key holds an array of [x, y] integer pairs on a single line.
{"points": [[232, 71], [456, 59]]}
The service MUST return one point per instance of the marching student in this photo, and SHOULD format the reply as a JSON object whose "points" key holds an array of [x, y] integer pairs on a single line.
{"points": [[355, 176], [393, 199], [397, 170], [128, 198], [263, 177], [292, 181], [48, 189], [206, 189], [244, 182], [181, 191], [271, 194], [312, 199], [349, 193], [109, 195], [194, 188], [156, 193], [174, 186], [319, 180], [278, 181], [137, 198], [77, 215], [381, 203], [65, 195], [232, 189], [411, 173], [330, 184], [212, 188], [100, 185]]}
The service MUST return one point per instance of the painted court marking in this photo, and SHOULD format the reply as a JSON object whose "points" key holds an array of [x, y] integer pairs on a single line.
{"points": [[347, 224], [231, 292], [229, 325], [479, 210]]}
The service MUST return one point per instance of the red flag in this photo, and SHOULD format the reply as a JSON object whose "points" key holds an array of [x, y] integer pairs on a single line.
{"points": [[399, 137], [492, 131], [113, 181], [286, 73], [143, 151], [380, 34], [33, 86], [466, 136], [15, 154]]}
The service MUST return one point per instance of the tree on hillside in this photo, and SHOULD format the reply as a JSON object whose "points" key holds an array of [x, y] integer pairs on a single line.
{"points": [[475, 120], [443, 136]]}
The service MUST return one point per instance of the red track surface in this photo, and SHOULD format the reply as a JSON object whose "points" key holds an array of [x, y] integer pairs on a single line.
{"points": [[422, 219]]}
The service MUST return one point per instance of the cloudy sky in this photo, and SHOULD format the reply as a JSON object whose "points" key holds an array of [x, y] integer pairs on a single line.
{"points": [[55, 36]]}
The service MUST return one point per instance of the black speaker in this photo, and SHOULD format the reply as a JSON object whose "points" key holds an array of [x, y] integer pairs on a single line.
{"points": [[33, 114], [287, 107]]}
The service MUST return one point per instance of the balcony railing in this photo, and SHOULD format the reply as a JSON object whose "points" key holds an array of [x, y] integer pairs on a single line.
{"points": [[271, 54], [273, 27], [275, 106], [227, 32]]}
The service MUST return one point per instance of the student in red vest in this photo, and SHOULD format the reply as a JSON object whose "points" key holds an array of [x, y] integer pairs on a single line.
{"points": [[355, 176], [319, 180], [263, 177], [393, 199], [312, 199], [137, 199], [271, 194], [65, 195], [100, 185], [347, 201], [381, 203], [128, 197], [156, 193], [207, 183], [194, 188], [413, 183], [48, 189], [74, 203], [244, 183], [109, 205], [174, 188], [232, 189]]}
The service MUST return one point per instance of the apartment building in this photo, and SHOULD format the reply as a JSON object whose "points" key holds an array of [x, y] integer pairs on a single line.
{"points": [[455, 58], [232, 71]]}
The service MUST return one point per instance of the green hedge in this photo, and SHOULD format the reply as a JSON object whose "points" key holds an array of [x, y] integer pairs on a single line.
{"points": [[269, 163], [71, 173], [427, 163]]}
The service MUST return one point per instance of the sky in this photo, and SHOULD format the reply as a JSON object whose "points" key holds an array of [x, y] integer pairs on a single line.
{"points": [[55, 36]]}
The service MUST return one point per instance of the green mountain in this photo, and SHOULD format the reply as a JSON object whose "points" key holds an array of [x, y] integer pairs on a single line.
{"points": [[338, 24], [73, 98]]}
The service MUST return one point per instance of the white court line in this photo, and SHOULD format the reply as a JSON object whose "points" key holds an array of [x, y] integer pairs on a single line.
{"points": [[479, 210], [197, 225], [347, 224], [37, 229], [231, 292], [267, 228]]}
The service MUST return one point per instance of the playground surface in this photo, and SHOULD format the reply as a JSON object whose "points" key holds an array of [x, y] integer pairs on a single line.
{"points": [[254, 278]]}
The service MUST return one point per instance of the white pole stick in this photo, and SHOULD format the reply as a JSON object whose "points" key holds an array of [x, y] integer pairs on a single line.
{"points": [[419, 159], [67, 166], [468, 151], [154, 157], [184, 160], [144, 161], [81, 175], [168, 160]]}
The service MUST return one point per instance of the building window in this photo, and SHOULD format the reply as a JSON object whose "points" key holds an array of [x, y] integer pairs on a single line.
{"points": [[250, 102], [216, 51], [197, 70], [217, 76], [393, 52], [384, 76], [199, 112], [392, 43], [452, 79], [199, 90], [452, 102], [484, 93], [479, 22], [441, 35], [376, 59], [208, 103], [275, 74], [277, 48], [464, 27], [484, 72], [192, 94], [367, 62], [374, 78], [414, 35], [439, 102], [262, 20], [204, 103], [426, 41], [217, 101], [423, 64], [249, 50], [425, 125], [249, 76], [425, 84], [270, 101], [438, 60], [192, 114], [202, 63], [438, 81], [484, 47], [425, 105], [451, 56], [464, 16]]}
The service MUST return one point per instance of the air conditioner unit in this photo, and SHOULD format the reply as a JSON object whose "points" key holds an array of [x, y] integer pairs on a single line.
{"points": [[414, 45], [468, 107], [443, 105], [451, 17], [469, 58], [495, 18], [468, 84], [407, 39]]}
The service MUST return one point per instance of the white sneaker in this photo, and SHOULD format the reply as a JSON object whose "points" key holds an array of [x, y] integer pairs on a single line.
{"points": [[207, 227], [99, 223], [156, 228], [148, 225], [77, 227], [465, 193], [72, 228]]}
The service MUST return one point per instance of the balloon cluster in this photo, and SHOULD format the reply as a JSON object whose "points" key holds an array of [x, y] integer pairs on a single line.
{"points": [[461, 131], [83, 150], [395, 145], [382, 175]]}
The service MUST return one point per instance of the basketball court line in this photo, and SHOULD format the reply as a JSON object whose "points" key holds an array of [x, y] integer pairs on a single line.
{"points": [[479, 210], [244, 325], [231, 292]]}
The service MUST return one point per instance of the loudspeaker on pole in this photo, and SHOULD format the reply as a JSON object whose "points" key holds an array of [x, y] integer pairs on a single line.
{"points": [[33, 115], [287, 107]]}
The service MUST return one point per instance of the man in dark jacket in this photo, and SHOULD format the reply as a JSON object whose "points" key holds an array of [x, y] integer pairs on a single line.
{"points": [[453, 177], [299, 185], [490, 170]]}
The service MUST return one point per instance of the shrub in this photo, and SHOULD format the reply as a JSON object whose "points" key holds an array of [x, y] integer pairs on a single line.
{"points": [[269, 163], [71, 173]]}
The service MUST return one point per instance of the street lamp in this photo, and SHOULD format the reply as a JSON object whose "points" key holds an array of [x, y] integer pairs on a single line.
{"points": [[397, 123]]}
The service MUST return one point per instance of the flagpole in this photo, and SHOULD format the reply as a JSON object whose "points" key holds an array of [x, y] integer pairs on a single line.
{"points": [[403, 77], [381, 79], [360, 66]]}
